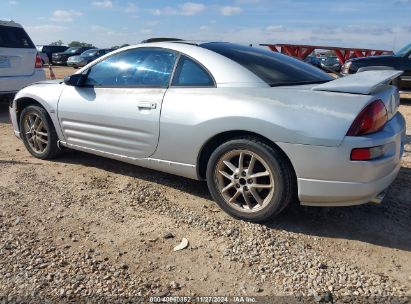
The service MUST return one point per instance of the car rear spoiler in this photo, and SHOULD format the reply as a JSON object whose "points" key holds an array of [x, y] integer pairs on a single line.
{"points": [[361, 83]]}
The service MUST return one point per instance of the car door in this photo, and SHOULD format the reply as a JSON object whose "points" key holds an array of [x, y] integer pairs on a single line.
{"points": [[117, 108]]}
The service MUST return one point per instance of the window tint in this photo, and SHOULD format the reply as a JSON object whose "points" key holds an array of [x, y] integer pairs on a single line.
{"points": [[190, 73], [14, 37], [273, 68], [51, 49], [138, 67]]}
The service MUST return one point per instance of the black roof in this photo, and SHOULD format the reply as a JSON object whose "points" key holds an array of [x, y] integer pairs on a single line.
{"points": [[164, 39]]}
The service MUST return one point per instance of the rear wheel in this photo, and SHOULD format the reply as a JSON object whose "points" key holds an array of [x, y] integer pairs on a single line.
{"points": [[250, 180], [38, 133]]}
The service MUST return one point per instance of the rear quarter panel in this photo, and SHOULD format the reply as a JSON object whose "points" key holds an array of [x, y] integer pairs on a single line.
{"points": [[192, 116]]}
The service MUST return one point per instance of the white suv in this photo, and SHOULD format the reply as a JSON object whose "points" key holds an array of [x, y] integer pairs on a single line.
{"points": [[20, 64]]}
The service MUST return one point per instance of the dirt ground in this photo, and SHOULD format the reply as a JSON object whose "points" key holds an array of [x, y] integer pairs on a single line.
{"points": [[59, 71], [83, 226]]}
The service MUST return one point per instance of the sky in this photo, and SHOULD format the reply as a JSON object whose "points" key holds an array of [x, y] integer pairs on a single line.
{"points": [[382, 24]]}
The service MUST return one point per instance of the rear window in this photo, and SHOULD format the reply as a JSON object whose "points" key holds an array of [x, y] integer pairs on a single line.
{"points": [[53, 49], [14, 37], [274, 68]]}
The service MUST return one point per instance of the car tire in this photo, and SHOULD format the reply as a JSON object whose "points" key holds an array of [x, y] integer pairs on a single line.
{"points": [[262, 186], [38, 133]]}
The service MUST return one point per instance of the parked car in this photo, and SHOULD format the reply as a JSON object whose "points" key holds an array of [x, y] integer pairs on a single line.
{"points": [[61, 58], [49, 50], [86, 57], [321, 57], [331, 64], [263, 129], [401, 60], [20, 64], [313, 61]]}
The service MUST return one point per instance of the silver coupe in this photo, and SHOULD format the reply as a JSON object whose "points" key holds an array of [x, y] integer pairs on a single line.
{"points": [[261, 128]]}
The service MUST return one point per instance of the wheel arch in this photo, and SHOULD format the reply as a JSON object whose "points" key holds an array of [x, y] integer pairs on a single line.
{"points": [[51, 149], [217, 140], [21, 103]]}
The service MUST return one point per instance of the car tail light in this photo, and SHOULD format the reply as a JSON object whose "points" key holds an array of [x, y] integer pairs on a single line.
{"points": [[39, 62], [367, 153], [371, 119]]}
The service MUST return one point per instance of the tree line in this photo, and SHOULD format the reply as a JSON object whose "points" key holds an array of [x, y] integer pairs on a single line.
{"points": [[83, 44]]}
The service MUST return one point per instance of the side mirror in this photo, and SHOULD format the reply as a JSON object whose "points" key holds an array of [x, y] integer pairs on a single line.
{"points": [[75, 80]]}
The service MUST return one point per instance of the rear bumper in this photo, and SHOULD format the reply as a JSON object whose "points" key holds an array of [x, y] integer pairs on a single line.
{"points": [[9, 85], [327, 177], [336, 194]]}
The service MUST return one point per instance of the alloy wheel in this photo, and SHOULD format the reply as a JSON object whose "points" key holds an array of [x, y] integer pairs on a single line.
{"points": [[244, 180], [35, 132]]}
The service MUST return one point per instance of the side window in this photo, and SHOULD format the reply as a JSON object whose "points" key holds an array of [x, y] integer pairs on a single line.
{"points": [[143, 67], [191, 74]]}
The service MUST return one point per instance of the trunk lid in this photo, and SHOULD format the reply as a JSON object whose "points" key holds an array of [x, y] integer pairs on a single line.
{"points": [[373, 83], [361, 83]]}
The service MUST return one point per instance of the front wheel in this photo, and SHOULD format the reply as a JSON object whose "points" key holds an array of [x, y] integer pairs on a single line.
{"points": [[250, 180], [38, 133]]}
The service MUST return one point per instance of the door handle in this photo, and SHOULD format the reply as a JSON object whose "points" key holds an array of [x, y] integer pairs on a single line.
{"points": [[147, 106]]}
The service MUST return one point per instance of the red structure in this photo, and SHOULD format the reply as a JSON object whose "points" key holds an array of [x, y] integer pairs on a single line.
{"points": [[343, 54]]}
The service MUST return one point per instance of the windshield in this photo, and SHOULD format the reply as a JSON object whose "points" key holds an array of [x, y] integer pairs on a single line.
{"points": [[274, 68], [71, 50], [89, 53], [406, 50]]}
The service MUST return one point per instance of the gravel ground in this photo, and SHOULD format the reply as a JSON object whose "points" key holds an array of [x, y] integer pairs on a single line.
{"points": [[85, 227]]}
